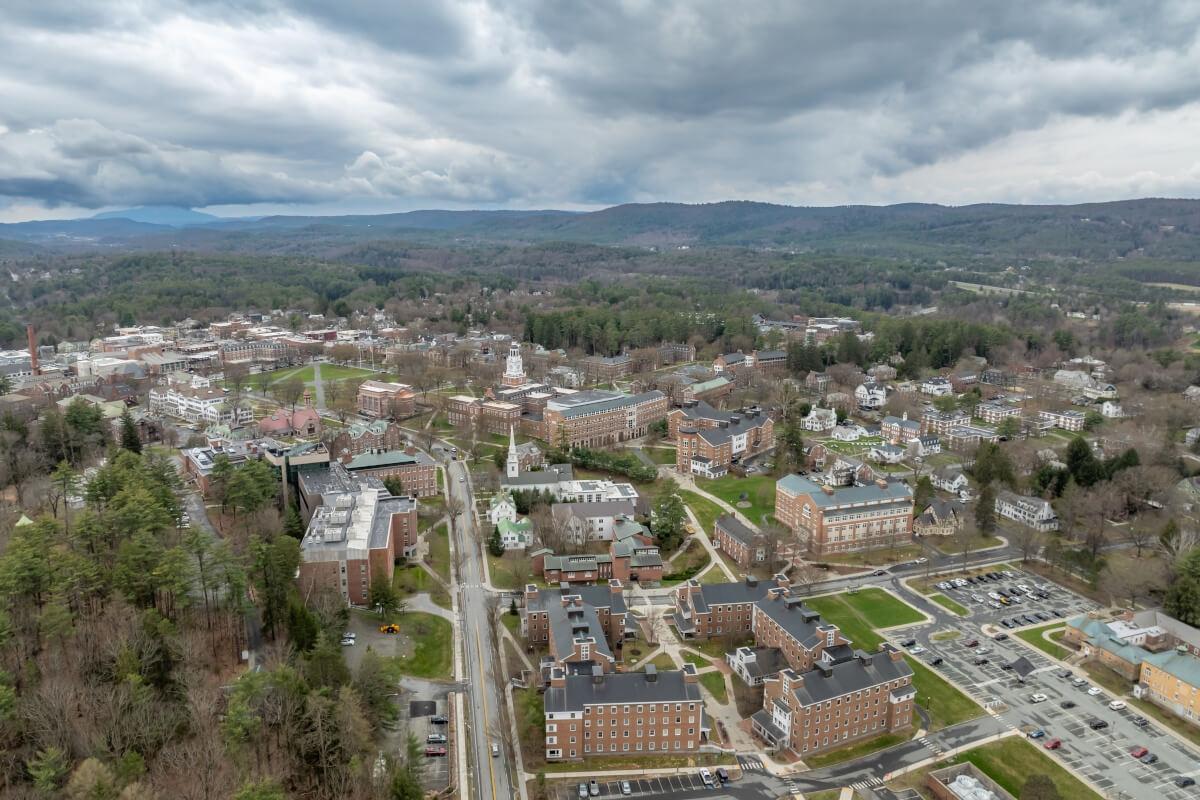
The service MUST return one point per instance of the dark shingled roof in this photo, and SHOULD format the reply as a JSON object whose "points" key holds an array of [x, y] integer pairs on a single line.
{"points": [[851, 675], [621, 687]]}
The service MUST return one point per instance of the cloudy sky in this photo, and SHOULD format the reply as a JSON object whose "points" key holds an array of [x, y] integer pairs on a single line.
{"points": [[297, 106]]}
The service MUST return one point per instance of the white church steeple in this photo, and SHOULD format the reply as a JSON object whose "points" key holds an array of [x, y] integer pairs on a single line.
{"points": [[513, 465]]}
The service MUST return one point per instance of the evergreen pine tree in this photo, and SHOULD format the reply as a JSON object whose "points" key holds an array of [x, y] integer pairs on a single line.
{"points": [[129, 436]]}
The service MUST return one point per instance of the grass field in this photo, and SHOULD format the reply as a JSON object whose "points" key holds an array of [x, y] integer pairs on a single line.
{"points": [[952, 546], [759, 491], [881, 555], [1010, 762], [439, 551], [856, 750], [1033, 636], [413, 579], [432, 642], [660, 455], [950, 605], [509, 571], [700, 661], [329, 372], [513, 623], [860, 615], [688, 564], [715, 683], [706, 511]]}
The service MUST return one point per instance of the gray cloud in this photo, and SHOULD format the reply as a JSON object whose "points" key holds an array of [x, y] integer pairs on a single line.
{"points": [[531, 102]]}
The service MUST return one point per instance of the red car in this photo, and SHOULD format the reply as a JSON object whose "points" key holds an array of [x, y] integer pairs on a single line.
{"points": [[972, 643], [1138, 751], [1054, 744], [435, 751]]}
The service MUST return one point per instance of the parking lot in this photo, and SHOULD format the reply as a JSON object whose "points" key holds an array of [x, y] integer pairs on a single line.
{"points": [[416, 711], [749, 782], [1012, 673]]}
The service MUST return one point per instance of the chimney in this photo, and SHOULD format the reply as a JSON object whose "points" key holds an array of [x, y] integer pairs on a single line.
{"points": [[651, 672], [826, 488], [881, 483], [558, 677], [614, 586], [782, 580], [825, 668], [410, 450], [531, 592], [33, 355], [751, 580], [864, 658]]}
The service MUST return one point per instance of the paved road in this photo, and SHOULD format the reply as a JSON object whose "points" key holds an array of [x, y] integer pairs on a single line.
{"points": [[492, 778]]}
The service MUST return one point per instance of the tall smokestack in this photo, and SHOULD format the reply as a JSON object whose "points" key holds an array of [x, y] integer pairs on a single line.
{"points": [[33, 359]]}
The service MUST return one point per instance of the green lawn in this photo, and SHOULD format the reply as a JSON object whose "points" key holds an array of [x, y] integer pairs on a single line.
{"points": [[439, 551], [716, 575], [947, 603], [432, 639], [513, 623], [860, 615], [510, 571], [688, 564], [759, 492], [715, 683], [329, 372], [413, 579], [1010, 762], [706, 511], [1033, 636], [880, 555], [856, 750], [716, 650], [952, 546], [660, 455], [700, 661]]}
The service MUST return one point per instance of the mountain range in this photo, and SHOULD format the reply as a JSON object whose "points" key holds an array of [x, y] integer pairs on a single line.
{"points": [[1160, 228]]}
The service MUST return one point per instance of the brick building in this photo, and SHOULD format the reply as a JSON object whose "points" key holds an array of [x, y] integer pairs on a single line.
{"points": [[598, 418], [353, 538], [416, 471], [605, 369], [845, 697], [632, 712], [842, 519], [560, 617], [362, 437], [739, 541], [384, 399], [710, 446]]}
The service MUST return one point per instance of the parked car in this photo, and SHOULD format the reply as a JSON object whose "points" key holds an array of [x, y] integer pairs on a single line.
{"points": [[1095, 690], [439, 720], [908, 643], [347, 642], [972, 643], [879, 573], [1038, 698], [1097, 724], [1149, 758], [980, 661], [1141, 722], [1077, 682], [436, 738], [1038, 734], [916, 651], [707, 778], [1139, 751], [1117, 705], [495, 750], [1067, 704], [583, 792], [1053, 744], [1006, 624], [935, 661], [1064, 673], [1183, 781], [1000, 637], [723, 774], [435, 751], [626, 788]]}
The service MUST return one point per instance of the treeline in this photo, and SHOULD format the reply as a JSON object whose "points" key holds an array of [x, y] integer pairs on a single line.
{"points": [[118, 626]]}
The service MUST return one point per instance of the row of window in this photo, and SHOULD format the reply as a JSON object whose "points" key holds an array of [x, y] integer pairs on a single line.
{"points": [[666, 733], [612, 748]]}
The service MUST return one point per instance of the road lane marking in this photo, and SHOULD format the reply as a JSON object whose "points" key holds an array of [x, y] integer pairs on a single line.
{"points": [[483, 695]]}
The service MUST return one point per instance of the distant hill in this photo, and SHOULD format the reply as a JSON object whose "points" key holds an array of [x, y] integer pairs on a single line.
{"points": [[174, 216], [1161, 229]]}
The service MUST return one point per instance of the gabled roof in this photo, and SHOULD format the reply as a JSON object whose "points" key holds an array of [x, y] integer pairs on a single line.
{"points": [[862, 671], [619, 688]]}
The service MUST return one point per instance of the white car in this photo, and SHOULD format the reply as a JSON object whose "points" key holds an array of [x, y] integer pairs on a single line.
{"points": [[461, 479], [347, 643], [1095, 690], [1038, 698], [707, 777], [921, 560], [1117, 705], [916, 651]]}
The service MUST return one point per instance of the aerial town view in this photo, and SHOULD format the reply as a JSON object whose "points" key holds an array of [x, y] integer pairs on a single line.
{"points": [[509, 400]]}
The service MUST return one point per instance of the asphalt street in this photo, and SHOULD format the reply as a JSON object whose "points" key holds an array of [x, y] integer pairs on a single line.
{"points": [[492, 778]]}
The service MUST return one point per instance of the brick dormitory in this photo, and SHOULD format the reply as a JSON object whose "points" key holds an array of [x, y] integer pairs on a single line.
{"points": [[820, 692]]}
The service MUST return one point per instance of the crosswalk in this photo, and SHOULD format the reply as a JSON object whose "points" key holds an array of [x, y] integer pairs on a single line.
{"points": [[750, 764], [867, 784], [933, 746]]}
